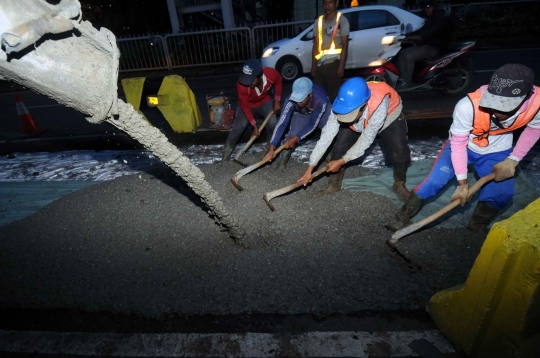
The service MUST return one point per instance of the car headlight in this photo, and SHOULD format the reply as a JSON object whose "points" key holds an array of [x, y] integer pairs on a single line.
{"points": [[271, 51]]}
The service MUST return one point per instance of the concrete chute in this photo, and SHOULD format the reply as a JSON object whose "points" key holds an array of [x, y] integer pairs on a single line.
{"points": [[49, 49]]}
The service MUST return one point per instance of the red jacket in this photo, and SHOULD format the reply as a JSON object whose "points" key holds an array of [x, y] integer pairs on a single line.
{"points": [[248, 97]]}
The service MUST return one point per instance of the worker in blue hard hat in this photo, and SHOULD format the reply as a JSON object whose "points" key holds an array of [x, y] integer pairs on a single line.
{"points": [[360, 112]]}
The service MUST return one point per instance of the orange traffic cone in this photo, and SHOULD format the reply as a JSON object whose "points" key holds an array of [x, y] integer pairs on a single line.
{"points": [[28, 125]]}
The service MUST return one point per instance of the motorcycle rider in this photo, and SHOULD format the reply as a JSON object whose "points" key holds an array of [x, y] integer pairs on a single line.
{"points": [[431, 39]]}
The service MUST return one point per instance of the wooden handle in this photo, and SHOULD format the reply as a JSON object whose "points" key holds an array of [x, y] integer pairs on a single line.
{"points": [[272, 194], [252, 139], [251, 168], [416, 226]]}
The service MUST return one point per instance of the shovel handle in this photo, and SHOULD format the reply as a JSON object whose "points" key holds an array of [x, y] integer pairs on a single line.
{"points": [[252, 139], [251, 168], [272, 194], [420, 224]]}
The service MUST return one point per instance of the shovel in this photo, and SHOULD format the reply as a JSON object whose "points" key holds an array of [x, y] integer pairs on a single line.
{"points": [[241, 173], [272, 194], [251, 140], [420, 224]]}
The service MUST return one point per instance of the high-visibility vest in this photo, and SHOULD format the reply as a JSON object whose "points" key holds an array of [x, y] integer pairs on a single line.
{"points": [[332, 50], [379, 90], [482, 119]]}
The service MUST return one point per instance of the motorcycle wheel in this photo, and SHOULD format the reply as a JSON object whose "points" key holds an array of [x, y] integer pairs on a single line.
{"points": [[375, 78], [463, 78]]}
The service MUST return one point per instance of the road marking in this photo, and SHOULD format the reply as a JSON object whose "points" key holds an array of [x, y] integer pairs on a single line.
{"points": [[312, 344]]}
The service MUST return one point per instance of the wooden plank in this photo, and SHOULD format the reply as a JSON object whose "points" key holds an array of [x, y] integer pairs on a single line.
{"points": [[428, 114]]}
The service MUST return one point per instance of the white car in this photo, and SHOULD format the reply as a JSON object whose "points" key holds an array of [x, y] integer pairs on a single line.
{"points": [[369, 25]]}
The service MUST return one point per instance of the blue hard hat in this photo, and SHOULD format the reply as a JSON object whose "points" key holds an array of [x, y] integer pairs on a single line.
{"points": [[351, 96]]}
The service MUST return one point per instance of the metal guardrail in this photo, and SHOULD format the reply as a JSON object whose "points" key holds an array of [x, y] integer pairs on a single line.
{"points": [[209, 47], [143, 53], [263, 35], [204, 48]]}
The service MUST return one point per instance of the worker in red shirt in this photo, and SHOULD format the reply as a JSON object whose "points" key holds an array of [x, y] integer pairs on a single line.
{"points": [[254, 102]]}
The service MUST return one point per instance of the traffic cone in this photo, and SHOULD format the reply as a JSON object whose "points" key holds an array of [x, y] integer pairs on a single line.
{"points": [[28, 125]]}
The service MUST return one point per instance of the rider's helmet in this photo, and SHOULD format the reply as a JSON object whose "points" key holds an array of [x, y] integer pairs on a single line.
{"points": [[426, 3], [352, 95]]}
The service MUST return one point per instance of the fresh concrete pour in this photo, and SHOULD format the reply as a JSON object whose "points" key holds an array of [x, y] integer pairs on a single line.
{"points": [[133, 245], [81, 72]]}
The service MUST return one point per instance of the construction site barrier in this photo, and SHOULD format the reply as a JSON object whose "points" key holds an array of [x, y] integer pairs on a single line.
{"points": [[496, 313]]}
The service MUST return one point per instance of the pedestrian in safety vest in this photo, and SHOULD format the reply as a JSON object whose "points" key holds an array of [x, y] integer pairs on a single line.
{"points": [[481, 135], [307, 108], [254, 102], [330, 46], [360, 112]]}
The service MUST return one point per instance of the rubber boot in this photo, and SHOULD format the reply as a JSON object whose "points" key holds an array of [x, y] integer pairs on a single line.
{"points": [[399, 188], [481, 217], [283, 159], [229, 147], [411, 207], [334, 182]]}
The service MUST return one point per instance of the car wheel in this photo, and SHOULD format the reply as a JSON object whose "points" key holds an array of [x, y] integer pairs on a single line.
{"points": [[289, 68], [459, 83]]}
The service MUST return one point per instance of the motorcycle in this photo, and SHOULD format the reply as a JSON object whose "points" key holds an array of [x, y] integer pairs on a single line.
{"points": [[449, 72]]}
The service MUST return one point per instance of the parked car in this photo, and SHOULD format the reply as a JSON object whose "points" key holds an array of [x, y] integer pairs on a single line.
{"points": [[368, 26]]}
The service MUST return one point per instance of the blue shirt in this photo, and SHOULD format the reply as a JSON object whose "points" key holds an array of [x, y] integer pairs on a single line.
{"points": [[316, 108]]}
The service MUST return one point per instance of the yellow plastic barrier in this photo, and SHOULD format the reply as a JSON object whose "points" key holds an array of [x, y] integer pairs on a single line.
{"points": [[133, 88], [496, 313], [182, 111]]}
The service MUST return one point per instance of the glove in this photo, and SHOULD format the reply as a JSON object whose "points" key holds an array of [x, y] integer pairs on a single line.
{"points": [[505, 169], [461, 194]]}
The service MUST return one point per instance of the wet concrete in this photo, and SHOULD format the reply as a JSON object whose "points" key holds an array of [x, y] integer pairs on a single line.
{"points": [[145, 245]]}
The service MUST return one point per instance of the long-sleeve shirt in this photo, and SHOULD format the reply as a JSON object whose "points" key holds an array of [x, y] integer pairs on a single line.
{"points": [[319, 104], [379, 121], [252, 97], [461, 137]]}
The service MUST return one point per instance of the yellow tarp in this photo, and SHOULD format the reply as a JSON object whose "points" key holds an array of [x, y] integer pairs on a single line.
{"points": [[133, 88], [496, 313], [182, 111]]}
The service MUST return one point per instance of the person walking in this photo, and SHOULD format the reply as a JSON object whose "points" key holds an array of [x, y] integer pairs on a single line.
{"points": [[360, 113], [481, 134]]}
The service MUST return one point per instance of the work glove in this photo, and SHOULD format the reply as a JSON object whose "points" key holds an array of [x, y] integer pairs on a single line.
{"points": [[461, 193], [505, 169]]}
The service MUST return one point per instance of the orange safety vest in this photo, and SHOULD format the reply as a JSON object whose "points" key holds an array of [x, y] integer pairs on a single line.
{"points": [[332, 50], [482, 118], [378, 91]]}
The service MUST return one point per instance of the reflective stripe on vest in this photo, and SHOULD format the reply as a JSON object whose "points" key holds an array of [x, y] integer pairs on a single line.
{"points": [[332, 50], [378, 91], [482, 119]]}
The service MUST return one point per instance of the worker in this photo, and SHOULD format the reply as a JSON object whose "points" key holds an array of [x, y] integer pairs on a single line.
{"points": [[254, 102], [360, 112], [481, 134], [307, 108], [330, 47]]}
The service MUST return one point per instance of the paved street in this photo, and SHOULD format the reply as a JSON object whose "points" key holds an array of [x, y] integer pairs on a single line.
{"points": [[61, 121]]}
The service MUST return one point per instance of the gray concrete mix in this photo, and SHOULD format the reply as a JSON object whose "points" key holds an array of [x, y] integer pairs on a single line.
{"points": [[145, 245]]}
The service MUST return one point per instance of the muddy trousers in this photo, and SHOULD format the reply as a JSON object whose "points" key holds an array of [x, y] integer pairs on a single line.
{"points": [[395, 146], [241, 122]]}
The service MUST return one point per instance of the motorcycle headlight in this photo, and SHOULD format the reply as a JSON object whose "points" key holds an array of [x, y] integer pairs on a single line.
{"points": [[270, 52]]}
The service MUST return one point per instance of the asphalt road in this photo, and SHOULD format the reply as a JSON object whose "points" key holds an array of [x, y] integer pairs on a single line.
{"points": [[65, 122]]}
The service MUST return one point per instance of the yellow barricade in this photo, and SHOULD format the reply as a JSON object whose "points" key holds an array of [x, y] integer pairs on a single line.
{"points": [[133, 88], [496, 313], [182, 111]]}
